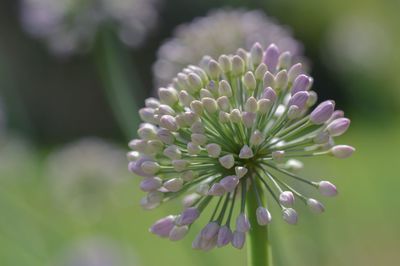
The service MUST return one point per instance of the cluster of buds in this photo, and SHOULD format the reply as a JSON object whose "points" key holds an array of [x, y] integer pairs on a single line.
{"points": [[230, 129], [203, 36]]}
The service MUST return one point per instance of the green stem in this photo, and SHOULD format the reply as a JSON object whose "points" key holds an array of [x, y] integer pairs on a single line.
{"points": [[258, 246], [119, 80]]}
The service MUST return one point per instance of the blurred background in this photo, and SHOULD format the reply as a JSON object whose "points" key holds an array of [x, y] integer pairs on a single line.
{"points": [[70, 86]]}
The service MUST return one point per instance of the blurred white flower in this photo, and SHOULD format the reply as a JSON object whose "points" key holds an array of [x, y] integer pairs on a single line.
{"points": [[84, 174], [95, 251], [222, 31], [68, 26]]}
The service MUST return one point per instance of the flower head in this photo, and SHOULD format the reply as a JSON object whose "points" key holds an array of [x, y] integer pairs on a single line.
{"points": [[203, 36], [231, 130], [69, 25]]}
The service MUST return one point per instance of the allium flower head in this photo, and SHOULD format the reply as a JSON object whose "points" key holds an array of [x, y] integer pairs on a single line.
{"points": [[228, 130], [83, 175], [203, 36], [71, 25]]}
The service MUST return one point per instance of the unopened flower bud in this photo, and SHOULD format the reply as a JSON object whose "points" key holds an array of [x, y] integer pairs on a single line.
{"points": [[224, 236], [256, 54], [240, 171], [227, 161], [263, 216], [246, 152], [271, 57], [197, 107], [264, 105], [193, 148], [216, 190], [251, 105], [281, 80], [173, 152], [174, 184], [242, 223], [229, 183], [223, 103], [322, 112], [260, 71], [268, 80], [286, 198], [289, 215], [169, 122], [168, 95], [235, 116], [295, 71], [199, 139], [150, 167], [237, 65], [250, 81], [205, 94], [328, 189], [299, 99], [315, 206], [284, 60], [178, 232], [150, 184], [256, 138], [210, 230], [210, 105], [278, 155], [269, 94], [249, 119], [238, 239], [224, 88], [223, 117], [213, 150], [338, 127], [225, 63], [163, 226], [301, 83], [342, 151], [195, 82], [214, 69], [188, 216], [165, 136], [180, 165]]}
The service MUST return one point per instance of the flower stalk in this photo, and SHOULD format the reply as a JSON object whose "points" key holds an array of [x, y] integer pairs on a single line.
{"points": [[258, 245]]}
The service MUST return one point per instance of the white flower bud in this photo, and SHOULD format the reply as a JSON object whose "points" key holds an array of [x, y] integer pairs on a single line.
{"points": [[294, 165], [164, 109], [147, 115], [223, 103], [203, 189], [240, 171], [237, 65], [246, 152], [197, 127], [227, 161], [328, 189], [286, 198], [197, 107], [281, 80], [169, 122], [193, 149], [168, 95], [150, 167], [151, 103], [185, 98], [190, 118], [256, 138], [214, 69], [224, 88], [199, 139], [210, 105], [180, 165], [195, 82], [248, 119], [188, 175], [268, 80], [235, 116], [147, 131], [190, 200], [165, 136], [289, 215], [251, 105], [264, 105], [342, 151], [284, 60], [260, 71], [250, 81], [213, 150], [223, 117], [256, 54], [225, 63], [295, 71], [263, 216], [205, 93], [173, 185], [315, 206], [173, 152]]}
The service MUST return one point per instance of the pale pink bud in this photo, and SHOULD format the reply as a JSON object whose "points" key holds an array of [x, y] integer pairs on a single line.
{"points": [[263, 216], [342, 151], [315, 206], [289, 215], [338, 127], [328, 189], [286, 198]]}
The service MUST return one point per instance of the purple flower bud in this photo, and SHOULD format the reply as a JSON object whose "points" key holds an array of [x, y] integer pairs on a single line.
{"points": [[328, 189], [286, 198], [315, 206], [238, 239], [342, 151], [216, 190], [337, 114], [269, 94], [178, 232], [290, 216], [210, 230], [150, 184], [163, 226], [188, 216], [263, 216], [224, 236], [246, 152], [136, 168], [242, 223], [271, 57], [229, 183], [322, 112], [301, 83], [299, 99], [338, 127]]}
